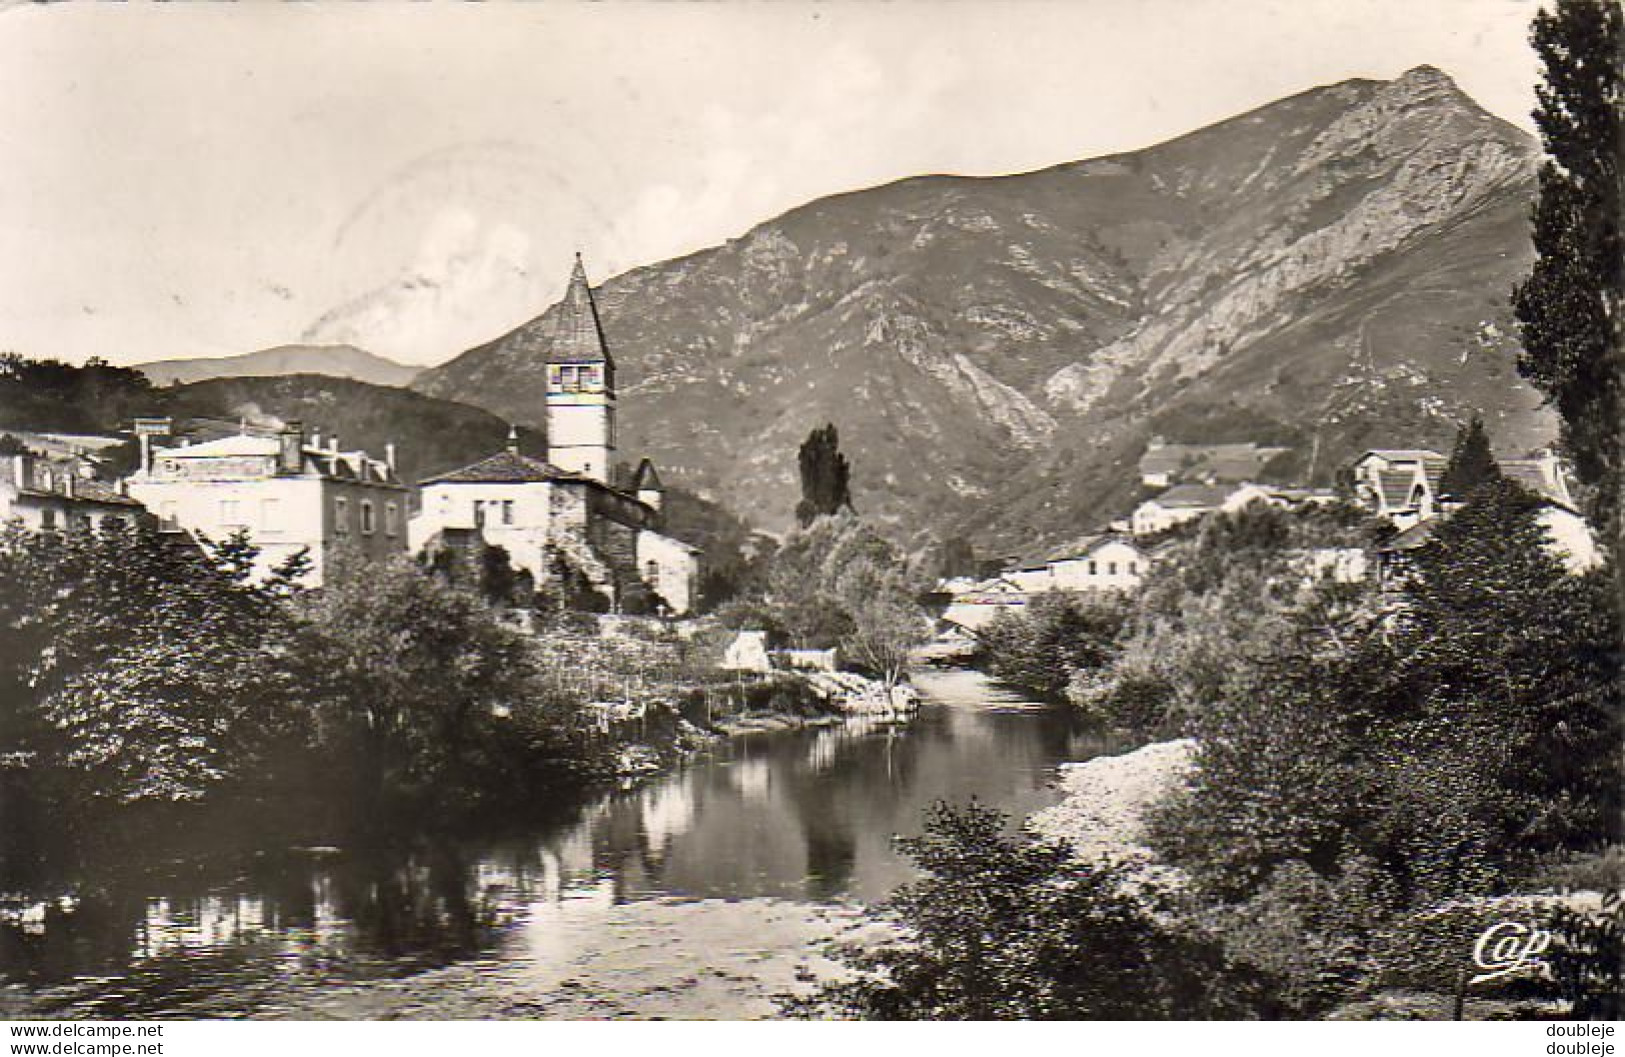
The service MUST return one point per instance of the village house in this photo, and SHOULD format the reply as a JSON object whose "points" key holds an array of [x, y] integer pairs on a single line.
{"points": [[51, 496], [1404, 487], [564, 515], [1165, 464], [1399, 484], [1097, 562], [289, 495], [1187, 502], [977, 606]]}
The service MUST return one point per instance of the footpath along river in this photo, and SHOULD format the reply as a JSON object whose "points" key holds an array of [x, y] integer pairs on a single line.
{"points": [[701, 894]]}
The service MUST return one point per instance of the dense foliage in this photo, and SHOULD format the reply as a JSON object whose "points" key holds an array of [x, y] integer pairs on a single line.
{"points": [[1007, 928], [1570, 306], [138, 672], [1399, 752]]}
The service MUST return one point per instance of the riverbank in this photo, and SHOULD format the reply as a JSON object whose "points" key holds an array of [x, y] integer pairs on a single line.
{"points": [[1106, 800]]}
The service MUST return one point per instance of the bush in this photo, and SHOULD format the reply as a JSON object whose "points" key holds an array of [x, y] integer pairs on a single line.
{"points": [[1007, 928]]}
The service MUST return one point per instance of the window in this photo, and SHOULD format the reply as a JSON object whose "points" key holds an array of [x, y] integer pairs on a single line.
{"points": [[1094, 568], [82, 523], [651, 573], [507, 511], [230, 512], [592, 377], [570, 379], [1111, 568], [1133, 568], [479, 513], [368, 519], [392, 518], [47, 519], [341, 514]]}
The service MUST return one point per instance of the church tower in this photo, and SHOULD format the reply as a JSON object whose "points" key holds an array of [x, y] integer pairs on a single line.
{"points": [[580, 387]]}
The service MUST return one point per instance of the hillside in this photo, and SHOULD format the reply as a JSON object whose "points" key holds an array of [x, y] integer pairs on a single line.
{"points": [[339, 361], [1326, 272]]}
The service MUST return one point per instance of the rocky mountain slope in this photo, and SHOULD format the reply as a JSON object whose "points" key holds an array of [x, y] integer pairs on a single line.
{"points": [[337, 361], [1327, 272]]}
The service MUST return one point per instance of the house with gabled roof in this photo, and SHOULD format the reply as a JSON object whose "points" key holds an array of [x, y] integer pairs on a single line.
{"points": [[1399, 484], [1187, 502], [564, 515], [58, 495]]}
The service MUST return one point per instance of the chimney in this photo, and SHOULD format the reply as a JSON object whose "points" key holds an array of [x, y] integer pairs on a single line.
{"points": [[316, 439], [22, 470], [291, 448], [68, 485], [389, 456]]}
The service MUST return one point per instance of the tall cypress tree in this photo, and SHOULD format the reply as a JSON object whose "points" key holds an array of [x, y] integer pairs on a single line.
{"points": [[1570, 306], [825, 475], [1471, 462]]}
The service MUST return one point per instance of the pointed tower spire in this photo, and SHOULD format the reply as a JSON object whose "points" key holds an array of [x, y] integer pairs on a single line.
{"points": [[580, 385], [513, 438], [578, 334]]}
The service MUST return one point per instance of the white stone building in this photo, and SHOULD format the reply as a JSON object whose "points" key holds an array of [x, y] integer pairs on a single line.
{"points": [[1187, 502], [288, 495], [564, 514]]}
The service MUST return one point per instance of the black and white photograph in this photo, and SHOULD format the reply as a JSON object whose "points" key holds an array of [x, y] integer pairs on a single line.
{"points": [[1049, 510]]}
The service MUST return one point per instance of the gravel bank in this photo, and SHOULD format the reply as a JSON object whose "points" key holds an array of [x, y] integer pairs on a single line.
{"points": [[1106, 800]]}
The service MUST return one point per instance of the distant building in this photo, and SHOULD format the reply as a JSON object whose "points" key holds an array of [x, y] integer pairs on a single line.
{"points": [[1399, 484], [58, 496], [1166, 464], [977, 607], [287, 495], [1187, 502], [564, 515], [1404, 487]]}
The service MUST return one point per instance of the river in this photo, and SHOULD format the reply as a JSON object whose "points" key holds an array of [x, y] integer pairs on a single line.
{"points": [[704, 893]]}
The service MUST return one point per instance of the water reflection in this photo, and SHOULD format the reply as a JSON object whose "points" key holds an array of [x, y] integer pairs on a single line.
{"points": [[803, 816]]}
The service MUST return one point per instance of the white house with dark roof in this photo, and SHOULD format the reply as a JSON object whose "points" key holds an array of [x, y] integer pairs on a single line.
{"points": [[1405, 488], [287, 494], [564, 513], [1187, 502], [1400, 484]]}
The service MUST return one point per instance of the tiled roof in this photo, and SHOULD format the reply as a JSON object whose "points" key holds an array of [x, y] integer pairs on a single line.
{"points": [[646, 479], [238, 445], [1541, 476], [505, 467], [1402, 454], [1412, 537], [578, 335]]}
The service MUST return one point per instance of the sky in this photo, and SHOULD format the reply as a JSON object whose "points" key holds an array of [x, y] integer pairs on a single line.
{"points": [[203, 180]]}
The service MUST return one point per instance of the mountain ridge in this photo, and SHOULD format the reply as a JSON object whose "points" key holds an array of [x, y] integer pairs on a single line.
{"points": [[996, 350], [336, 361]]}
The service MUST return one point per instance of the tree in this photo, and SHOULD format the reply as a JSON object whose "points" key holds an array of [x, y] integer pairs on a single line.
{"points": [[825, 476], [1570, 306], [1471, 461], [887, 624], [956, 557]]}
